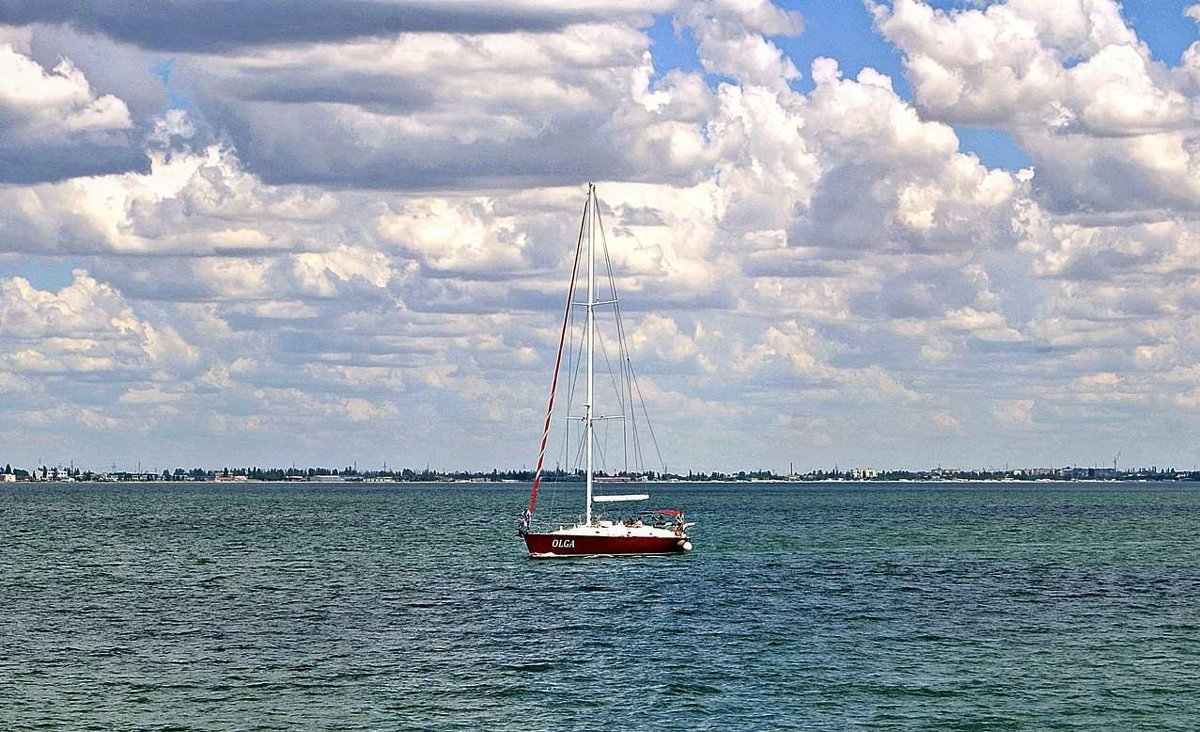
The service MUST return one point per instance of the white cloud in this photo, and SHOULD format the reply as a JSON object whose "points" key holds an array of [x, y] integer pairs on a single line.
{"points": [[55, 125], [1019, 411], [149, 395], [85, 327], [459, 236], [987, 326], [658, 338], [394, 112], [1013, 61], [731, 35], [1108, 127], [365, 233], [56, 103], [945, 421], [188, 203], [361, 410]]}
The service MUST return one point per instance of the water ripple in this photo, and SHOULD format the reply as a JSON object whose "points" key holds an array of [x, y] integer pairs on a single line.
{"points": [[267, 607]]}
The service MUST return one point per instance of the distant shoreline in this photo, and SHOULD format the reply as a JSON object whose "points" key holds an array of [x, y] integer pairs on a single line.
{"points": [[683, 481], [351, 474]]}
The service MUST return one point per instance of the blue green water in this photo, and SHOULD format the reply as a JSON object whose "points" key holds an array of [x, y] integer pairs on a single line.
{"points": [[414, 607]]}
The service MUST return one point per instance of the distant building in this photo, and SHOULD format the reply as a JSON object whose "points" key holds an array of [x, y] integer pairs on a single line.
{"points": [[8, 478]]}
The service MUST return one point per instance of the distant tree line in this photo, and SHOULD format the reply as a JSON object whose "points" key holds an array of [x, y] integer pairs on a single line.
{"points": [[428, 475]]}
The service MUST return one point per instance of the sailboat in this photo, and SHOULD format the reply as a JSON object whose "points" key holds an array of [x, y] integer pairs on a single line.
{"points": [[657, 531]]}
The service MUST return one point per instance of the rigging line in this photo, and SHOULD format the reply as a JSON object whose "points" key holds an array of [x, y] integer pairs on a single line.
{"points": [[602, 444], [622, 349], [617, 391], [626, 394], [563, 456], [633, 422], [574, 360], [577, 388], [579, 452], [574, 388], [627, 363], [603, 462], [581, 455], [576, 376], [599, 336], [567, 421], [627, 380], [608, 364], [638, 456], [551, 502], [537, 475], [649, 426]]}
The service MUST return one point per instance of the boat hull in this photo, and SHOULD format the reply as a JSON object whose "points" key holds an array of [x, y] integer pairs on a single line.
{"points": [[552, 546]]}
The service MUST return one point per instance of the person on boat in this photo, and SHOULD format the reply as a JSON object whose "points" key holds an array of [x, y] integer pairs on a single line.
{"points": [[523, 526]]}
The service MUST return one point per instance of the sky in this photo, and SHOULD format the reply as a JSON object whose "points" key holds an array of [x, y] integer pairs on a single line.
{"points": [[890, 234]]}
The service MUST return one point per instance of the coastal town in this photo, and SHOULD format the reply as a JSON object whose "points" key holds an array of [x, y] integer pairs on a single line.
{"points": [[351, 474]]}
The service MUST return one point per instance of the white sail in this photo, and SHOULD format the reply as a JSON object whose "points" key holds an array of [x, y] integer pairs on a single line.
{"points": [[621, 497]]}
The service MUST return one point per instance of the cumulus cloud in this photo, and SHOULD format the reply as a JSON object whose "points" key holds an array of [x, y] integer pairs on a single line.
{"points": [[657, 340], [1019, 61], [732, 40], [1109, 127], [789, 352], [54, 126], [199, 202], [911, 186], [85, 327], [393, 113], [464, 236], [366, 224], [1108, 223], [945, 421], [360, 410], [1019, 411]]}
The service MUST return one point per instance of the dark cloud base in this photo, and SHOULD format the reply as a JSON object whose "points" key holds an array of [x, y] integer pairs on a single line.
{"points": [[213, 26], [23, 164]]}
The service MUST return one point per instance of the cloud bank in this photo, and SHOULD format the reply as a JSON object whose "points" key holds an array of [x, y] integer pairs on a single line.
{"points": [[242, 233]]}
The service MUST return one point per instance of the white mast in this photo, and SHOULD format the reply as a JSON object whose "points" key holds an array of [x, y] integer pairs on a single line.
{"points": [[591, 336]]}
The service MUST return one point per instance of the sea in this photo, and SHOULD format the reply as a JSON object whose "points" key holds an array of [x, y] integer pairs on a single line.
{"points": [[178, 606]]}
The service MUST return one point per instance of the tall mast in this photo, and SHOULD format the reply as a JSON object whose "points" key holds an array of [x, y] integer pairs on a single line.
{"points": [[591, 337], [562, 340]]}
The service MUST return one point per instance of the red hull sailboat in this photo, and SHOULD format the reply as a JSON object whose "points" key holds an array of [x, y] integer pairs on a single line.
{"points": [[576, 542], [652, 532], [662, 531]]}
